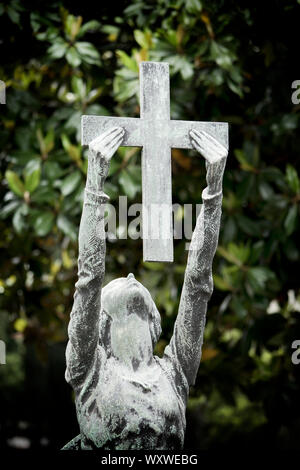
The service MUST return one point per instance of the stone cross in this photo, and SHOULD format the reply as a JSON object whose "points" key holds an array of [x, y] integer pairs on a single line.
{"points": [[156, 134]]}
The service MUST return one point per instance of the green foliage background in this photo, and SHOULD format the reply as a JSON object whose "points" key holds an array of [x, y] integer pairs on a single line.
{"points": [[229, 61]]}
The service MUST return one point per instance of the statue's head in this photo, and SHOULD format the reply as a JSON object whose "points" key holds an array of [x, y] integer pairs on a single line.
{"points": [[129, 320]]}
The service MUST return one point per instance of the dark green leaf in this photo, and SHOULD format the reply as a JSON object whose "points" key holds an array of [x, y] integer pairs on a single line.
{"points": [[292, 179], [88, 27], [258, 276], [88, 52], [67, 227], [193, 6], [19, 221], [43, 223], [53, 170], [15, 183], [32, 175], [127, 61], [73, 57], [13, 15], [290, 220], [58, 49], [9, 208], [248, 226], [45, 194], [70, 183]]}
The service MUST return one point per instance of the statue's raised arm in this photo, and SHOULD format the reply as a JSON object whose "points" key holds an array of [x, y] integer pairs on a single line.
{"points": [[83, 328], [186, 343]]}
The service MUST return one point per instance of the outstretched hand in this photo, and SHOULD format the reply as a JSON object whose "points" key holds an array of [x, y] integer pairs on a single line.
{"points": [[102, 149], [107, 143], [215, 155]]}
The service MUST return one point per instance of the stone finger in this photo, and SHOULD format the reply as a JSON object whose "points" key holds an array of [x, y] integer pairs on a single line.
{"points": [[195, 135], [213, 140], [115, 142], [205, 152], [99, 139], [109, 151], [197, 146], [116, 131]]}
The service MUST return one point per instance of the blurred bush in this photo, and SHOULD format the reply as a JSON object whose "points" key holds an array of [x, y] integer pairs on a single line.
{"points": [[228, 62]]}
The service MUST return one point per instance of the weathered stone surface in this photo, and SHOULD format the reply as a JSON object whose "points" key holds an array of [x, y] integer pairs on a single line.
{"points": [[157, 134], [2, 352], [2, 92], [178, 136], [127, 398], [156, 162]]}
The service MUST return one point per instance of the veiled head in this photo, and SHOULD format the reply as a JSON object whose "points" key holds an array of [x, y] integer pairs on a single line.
{"points": [[126, 304]]}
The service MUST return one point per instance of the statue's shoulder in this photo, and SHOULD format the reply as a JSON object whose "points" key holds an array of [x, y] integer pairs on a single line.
{"points": [[173, 370], [74, 444], [79, 442]]}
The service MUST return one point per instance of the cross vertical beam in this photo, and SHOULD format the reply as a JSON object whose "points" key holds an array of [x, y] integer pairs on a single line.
{"points": [[156, 162]]}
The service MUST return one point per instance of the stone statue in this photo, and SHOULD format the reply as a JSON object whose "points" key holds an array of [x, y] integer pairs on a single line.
{"points": [[127, 398]]}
